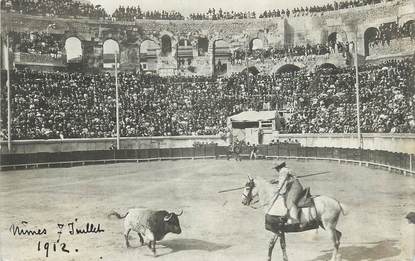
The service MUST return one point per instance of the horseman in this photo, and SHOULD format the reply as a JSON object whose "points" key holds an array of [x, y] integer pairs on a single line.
{"points": [[290, 188]]}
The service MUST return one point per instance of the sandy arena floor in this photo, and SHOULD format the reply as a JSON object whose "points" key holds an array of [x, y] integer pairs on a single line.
{"points": [[215, 226]]}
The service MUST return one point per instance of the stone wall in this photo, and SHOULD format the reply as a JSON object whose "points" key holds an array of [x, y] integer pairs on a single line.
{"points": [[349, 24]]}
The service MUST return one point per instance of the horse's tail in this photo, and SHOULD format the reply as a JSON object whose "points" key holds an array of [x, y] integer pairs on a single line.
{"points": [[114, 213], [343, 208]]}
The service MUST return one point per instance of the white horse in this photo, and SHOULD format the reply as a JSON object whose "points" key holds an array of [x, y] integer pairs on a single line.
{"points": [[325, 213]]}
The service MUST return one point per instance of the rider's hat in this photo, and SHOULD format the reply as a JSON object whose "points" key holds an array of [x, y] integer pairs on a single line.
{"points": [[278, 164], [411, 217]]}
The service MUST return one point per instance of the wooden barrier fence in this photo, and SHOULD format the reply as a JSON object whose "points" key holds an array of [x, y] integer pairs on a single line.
{"points": [[402, 162]]}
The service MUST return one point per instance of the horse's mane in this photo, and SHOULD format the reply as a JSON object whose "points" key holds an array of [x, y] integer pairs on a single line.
{"points": [[266, 191]]}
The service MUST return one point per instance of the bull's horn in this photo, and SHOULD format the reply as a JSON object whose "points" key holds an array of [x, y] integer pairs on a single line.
{"points": [[250, 178], [168, 217], [181, 212]]}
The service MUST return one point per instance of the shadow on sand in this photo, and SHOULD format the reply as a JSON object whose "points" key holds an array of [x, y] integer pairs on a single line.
{"points": [[373, 252], [185, 244]]}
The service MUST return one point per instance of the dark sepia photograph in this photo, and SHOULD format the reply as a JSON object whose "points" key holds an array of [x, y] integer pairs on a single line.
{"points": [[221, 130]]}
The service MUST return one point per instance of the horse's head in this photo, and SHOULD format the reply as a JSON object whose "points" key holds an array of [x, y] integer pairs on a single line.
{"points": [[250, 194]]}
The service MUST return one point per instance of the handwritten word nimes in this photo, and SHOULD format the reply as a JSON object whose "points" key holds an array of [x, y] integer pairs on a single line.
{"points": [[72, 228]]}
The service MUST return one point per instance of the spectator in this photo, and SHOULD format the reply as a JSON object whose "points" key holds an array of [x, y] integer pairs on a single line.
{"points": [[79, 105], [54, 8], [37, 43]]}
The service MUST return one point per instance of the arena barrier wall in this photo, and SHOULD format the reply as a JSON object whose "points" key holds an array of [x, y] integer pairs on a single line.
{"points": [[88, 144], [396, 142], [403, 163]]}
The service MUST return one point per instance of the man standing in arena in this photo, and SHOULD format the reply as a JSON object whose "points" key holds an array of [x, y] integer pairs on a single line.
{"points": [[237, 147], [254, 150], [290, 188]]}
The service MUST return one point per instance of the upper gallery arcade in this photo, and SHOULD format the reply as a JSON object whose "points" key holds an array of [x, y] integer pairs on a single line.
{"points": [[192, 47]]}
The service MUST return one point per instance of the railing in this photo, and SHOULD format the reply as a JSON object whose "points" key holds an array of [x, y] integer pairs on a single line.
{"points": [[401, 162], [39, 59]]}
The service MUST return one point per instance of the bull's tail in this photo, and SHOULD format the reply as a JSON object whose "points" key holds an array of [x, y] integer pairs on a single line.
{"points": [[114, 213]]}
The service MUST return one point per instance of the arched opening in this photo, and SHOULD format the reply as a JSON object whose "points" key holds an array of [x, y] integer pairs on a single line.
{"points": [[221, 56], [408, 29], [332, 40], [73, 49], [370, 36], [256, 49], [184, 53], [256, 44], [327, 66], [252, 70], [148, 48], [165, 45], [202, 46], [110, 48], [332, 37], [148, 55], [288, 68]]}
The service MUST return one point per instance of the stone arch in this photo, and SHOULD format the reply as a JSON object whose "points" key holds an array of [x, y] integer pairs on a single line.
{"points": [[332, 40], [110, 47], [221, 46], [338, 33], [73, 50], [370, 35], [148, 55], [332, 37], [252, 70], [184, 52], [131, 54], [288, 68], [148, 48], [221, 55], [256, 44], [405, 18], [202, 46], [407, 27], [326, 66], [166, 45]]}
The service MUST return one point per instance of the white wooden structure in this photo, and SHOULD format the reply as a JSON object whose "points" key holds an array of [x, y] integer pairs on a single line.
{"points": [[255, 127]]}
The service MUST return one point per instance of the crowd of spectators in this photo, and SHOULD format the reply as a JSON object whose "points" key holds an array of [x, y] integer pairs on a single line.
{"points": [[37, 43], [60, 8], [68, 105], [129, 13], [74, 8], [313, 10], [299, 52], [133, 13], [163, 15], [211, 14], [386, 96], [387, 32]]}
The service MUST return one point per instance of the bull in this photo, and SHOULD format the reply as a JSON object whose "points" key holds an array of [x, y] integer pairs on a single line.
{"points": [[153, 225]]}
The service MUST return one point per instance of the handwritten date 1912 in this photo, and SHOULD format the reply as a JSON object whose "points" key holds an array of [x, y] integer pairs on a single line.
{"points": [[53, 246]]}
